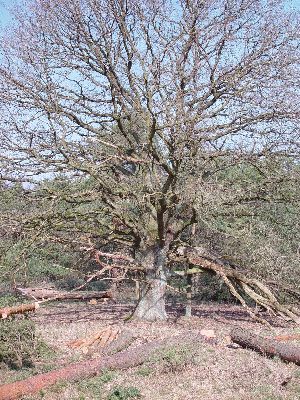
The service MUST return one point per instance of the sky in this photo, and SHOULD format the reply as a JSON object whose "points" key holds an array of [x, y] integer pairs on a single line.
{"points": [[5, 16]]}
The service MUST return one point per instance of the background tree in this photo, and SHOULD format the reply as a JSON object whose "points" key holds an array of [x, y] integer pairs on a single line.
{"points": [[142, 107]]}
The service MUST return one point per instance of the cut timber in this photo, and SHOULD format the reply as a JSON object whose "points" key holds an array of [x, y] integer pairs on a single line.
{"points": [[286, 338], [51, 295], [101, 338], [21, 309], [268, 347], [88, 368]]}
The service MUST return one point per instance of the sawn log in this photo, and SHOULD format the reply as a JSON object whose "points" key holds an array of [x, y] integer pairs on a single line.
{"points": [[20, 309], [267, 347], [88, 368]]}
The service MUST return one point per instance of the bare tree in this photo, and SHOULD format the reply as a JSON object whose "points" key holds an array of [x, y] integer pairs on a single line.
{"points": [[149, 101]]}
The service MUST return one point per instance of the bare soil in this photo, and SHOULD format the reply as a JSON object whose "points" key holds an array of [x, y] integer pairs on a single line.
{"points": [[214, 370]]}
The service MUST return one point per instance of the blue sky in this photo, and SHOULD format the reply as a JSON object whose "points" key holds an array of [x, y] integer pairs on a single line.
{"points": [[5, 16]]}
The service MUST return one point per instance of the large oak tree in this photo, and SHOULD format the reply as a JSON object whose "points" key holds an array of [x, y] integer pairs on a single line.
{"points": [[145, 103]]}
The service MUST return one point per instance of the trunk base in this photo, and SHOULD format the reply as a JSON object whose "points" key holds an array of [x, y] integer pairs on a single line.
{"points": [[151, 306]]}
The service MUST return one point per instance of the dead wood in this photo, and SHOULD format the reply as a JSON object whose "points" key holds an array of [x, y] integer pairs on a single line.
{"points": [[286, 338], [265, 346], [237, 281], [88, 368], [45, 294], [20, 309], [100, 339]]}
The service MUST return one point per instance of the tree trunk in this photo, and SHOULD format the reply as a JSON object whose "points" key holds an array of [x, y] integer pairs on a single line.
{"points": [[152, 306], [188, 308], [268, 347], [137, 290], [91, 367]]}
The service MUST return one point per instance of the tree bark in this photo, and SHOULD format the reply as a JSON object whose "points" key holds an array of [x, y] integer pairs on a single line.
{"points": [[268, 347], [188, 308], [88, 368], [152, 306]]}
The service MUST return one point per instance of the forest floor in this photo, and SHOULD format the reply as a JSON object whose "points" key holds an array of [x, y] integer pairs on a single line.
{"points": [[211, 370]]}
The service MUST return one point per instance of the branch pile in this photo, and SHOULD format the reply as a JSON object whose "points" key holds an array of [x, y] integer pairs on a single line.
{"points": [[237, 282]]}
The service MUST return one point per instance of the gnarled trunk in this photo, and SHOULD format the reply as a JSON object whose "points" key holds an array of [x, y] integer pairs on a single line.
{"points": [[152, 306]]}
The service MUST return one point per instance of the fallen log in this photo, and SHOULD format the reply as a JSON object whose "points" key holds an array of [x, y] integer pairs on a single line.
{"points": [[236, 282], [266, 347], [88, 368], [285, 338], [20, 309], [51, 295]]}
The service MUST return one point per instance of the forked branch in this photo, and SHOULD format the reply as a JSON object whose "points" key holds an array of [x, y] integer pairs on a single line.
{"points": [[237, 281]]}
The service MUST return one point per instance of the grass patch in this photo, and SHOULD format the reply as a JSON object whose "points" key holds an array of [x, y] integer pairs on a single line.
{"points": [[93, 385], [173, 359], [8, 300], [266, 392], [20, 346], [144, 370], [124, 393]]}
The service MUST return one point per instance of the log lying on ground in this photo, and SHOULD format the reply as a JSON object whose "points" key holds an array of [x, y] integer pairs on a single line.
{"points": [[85, 369], [286, 338], [20, 309], [50, 294], [268, 347], [237, 281], [100, 339]]}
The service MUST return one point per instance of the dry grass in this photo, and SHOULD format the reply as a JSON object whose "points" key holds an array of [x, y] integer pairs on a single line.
{"points": [[206, 371]]}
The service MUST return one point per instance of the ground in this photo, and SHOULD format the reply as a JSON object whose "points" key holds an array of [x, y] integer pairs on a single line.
{"points": [[211, 370]]}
